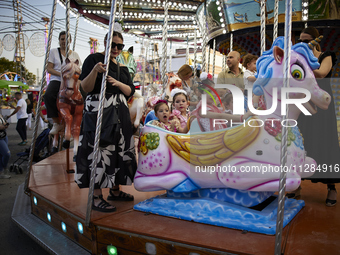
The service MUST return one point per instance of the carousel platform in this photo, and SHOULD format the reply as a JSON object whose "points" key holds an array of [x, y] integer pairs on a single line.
{"points": [[54, 216]]}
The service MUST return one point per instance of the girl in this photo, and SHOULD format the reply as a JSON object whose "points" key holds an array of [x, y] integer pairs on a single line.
{"points": [[162, 112], [180, 113]]}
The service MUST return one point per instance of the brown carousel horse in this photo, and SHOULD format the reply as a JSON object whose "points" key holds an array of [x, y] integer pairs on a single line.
{"points": [[70, 103]]}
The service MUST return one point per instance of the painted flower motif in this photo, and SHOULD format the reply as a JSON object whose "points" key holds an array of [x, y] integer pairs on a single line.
{"points": [[142, 145], [274, 128], [152, 140], [290, 137], [299, 139]]}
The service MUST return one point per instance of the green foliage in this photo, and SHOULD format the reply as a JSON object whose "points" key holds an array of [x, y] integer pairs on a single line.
{"points": [[11, 66]]}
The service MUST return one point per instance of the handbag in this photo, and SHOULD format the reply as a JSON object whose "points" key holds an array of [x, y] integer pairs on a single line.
{"points": [[110, 130]]}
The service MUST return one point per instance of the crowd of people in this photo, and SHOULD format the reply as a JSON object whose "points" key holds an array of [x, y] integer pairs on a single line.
{"points": [[118, 160]]}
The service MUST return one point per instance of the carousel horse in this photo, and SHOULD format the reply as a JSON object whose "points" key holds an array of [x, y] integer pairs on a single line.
{"points": [[245, 157], [173, 82], [128, 60], [136, 104], [70, 102]]}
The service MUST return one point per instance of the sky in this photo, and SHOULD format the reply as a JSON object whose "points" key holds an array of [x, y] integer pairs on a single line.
{"points": [[33, 11]]}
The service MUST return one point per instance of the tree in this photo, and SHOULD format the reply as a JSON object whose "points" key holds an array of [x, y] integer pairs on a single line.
{"points": [[11, 66]]}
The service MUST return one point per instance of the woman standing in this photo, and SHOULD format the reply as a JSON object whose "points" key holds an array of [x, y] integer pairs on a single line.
{"points": [[320, 130], [56, 59], [116, 163]]}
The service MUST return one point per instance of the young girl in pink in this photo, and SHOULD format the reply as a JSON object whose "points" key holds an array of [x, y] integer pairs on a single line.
{"points": [[162, 112], [179, 108]]}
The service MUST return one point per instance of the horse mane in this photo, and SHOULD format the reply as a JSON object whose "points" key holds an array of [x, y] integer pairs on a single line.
{"points": [[264, 69], [68, 69]]}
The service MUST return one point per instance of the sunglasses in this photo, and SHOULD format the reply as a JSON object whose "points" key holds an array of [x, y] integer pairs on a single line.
{"points": [[305, 41], [119, 46]]}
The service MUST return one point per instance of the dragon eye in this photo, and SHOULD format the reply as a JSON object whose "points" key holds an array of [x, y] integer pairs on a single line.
{"points": [[297, 72]]}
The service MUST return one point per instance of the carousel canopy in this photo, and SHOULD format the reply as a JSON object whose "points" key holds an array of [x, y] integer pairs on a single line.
{"points": [[146, 17]]}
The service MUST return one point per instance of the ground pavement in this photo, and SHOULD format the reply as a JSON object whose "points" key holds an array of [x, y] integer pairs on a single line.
{"points": [[13, 240]]}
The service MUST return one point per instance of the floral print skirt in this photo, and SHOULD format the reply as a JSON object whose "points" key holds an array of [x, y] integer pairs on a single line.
{"points": [[116, 162]]}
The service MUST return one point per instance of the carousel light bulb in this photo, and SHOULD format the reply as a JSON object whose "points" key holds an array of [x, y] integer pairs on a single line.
{"points": [[49, 218]]}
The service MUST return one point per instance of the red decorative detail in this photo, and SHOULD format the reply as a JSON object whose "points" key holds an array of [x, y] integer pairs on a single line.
{"points": [[273, 127]]}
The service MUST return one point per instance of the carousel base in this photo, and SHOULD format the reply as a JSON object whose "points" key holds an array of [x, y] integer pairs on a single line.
{"points": [[224, 214], [54, 215]]}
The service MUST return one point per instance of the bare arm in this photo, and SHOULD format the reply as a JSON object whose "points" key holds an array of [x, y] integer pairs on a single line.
{"points": [[88, 83], [251, 78], [325, 67], [15, 111], [50, 69], [123, 87]]}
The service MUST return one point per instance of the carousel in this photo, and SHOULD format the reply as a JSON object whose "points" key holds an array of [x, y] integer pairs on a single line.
{"points": [[179, 207]]}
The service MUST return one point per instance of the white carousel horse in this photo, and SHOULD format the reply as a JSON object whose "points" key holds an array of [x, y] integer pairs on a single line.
{"points": [[241, 157]]}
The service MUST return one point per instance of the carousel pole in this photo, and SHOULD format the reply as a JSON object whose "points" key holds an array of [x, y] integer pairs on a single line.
{"points": [[204, 43], [214, 56], [282, 187], [164, 44], [42, 86], [75, 33], [144, 67], [276, 19], [187, 52], [67, 51], [208, 65], [195, 52], [263, 26], [223, 63], [67, 30], [231, 42], [93, 166], [170, 57]]}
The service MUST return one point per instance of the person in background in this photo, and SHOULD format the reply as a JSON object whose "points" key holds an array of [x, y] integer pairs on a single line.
{"points": [[320, 130], [5, 153], [249, 62], [29, 114], [21, 111], [233, 74], [185, 73], [55, 61]]}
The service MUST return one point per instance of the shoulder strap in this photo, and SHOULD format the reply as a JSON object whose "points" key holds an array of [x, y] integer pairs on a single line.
{"points": [[61, 58], [118, 71]]}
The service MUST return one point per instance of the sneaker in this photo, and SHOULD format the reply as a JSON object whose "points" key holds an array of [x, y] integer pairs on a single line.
{"points": [[4, 176], [22, 143], [56, 128]]}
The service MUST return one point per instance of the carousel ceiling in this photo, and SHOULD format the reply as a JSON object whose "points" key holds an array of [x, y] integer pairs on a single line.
{"points": [[146, 17]]}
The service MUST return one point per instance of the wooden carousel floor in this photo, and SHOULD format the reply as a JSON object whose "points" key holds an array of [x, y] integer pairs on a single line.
{"points": [[315, 230]]}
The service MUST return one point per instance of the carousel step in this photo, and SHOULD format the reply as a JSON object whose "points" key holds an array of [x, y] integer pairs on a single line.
{"points": [[47, 237]]}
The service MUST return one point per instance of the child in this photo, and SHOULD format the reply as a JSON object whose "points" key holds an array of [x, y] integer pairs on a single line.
{"points": [[227, 101], [249, 62], [180, 103], [206, 122], [162, 112]]}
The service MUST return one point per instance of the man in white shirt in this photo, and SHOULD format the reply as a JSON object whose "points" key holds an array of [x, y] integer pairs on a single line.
{"points": [[22, 116]]}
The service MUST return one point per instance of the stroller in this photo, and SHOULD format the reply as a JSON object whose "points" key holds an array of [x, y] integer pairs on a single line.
{"points": [[42, 150]]}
